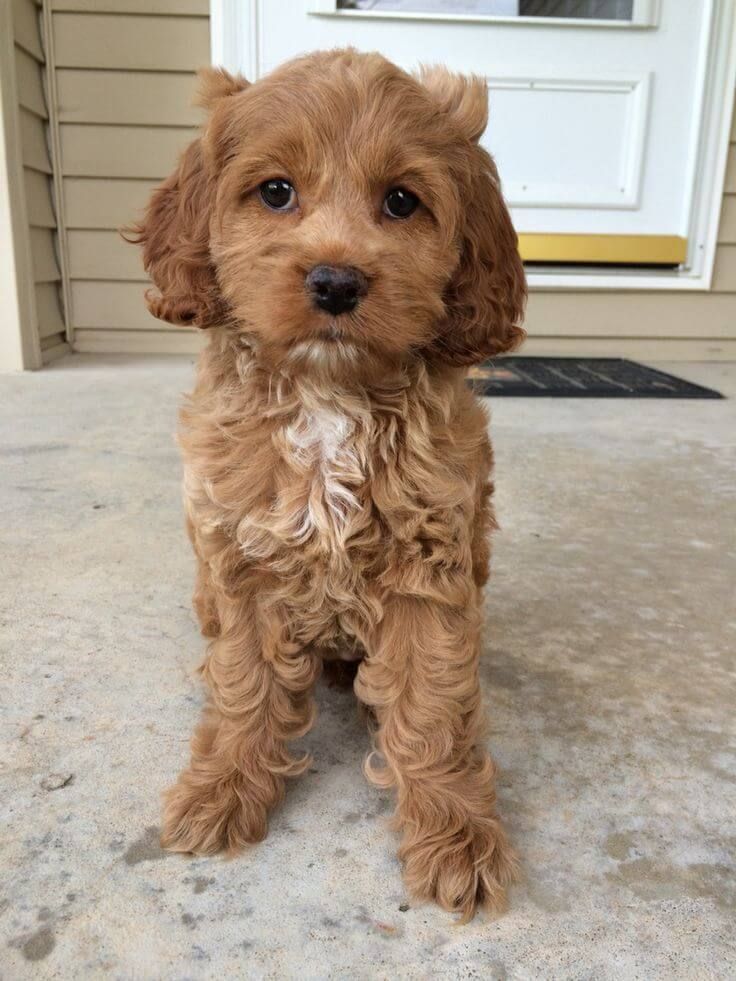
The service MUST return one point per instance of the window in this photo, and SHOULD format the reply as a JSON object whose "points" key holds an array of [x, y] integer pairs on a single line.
{"points": [[561, 9]]}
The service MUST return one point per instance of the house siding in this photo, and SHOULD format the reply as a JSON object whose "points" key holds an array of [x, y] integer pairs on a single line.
{"points": [[125, 82], [40, 209]]}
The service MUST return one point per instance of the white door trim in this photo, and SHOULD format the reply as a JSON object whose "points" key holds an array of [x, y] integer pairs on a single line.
{"points": [[19, 342], [236, 45], [235, 36]]}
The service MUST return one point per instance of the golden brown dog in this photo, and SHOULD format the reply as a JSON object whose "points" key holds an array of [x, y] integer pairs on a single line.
{"points": [[341, 235]]}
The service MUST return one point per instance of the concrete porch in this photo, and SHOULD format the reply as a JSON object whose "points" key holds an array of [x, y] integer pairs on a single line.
{"points": [[609, 673]]}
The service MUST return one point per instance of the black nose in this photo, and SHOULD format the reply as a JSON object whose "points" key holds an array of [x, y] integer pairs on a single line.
{"points": [[336, 289]]}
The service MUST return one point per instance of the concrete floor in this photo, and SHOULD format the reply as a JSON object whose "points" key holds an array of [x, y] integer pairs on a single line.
{"points": [[608, 667]]}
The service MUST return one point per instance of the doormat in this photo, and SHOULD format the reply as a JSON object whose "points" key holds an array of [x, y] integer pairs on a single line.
{"points": [[601, 378]]}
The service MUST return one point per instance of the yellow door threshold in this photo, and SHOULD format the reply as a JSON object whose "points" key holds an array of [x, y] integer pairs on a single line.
{"points": [[629, 250]]}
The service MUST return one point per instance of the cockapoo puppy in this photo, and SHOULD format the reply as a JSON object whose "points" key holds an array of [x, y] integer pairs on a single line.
{"points": [[341, 236]]}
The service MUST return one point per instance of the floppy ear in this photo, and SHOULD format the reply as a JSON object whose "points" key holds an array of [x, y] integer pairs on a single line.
{"points": [[174, 231], [485, 299]]}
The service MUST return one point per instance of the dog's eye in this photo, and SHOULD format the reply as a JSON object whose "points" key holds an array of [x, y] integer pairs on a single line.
{"points": [[400, 203], [279, 194]]}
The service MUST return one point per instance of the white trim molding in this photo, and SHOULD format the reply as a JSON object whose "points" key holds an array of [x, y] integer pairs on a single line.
{"points": [[707, 165], [235, 36], [19, 342]]}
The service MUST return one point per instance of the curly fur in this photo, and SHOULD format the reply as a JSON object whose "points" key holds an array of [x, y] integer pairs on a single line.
{"points": [[337, 469]]}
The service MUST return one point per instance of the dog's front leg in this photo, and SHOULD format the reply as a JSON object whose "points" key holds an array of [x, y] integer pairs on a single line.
{"points": [[260, 697], [421, 678]]}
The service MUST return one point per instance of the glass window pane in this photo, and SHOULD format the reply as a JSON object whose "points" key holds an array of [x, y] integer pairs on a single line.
{"points": [[583, 9]]}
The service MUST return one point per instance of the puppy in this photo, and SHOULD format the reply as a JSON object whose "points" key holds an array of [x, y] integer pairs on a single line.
{"points": [[341, 236]]}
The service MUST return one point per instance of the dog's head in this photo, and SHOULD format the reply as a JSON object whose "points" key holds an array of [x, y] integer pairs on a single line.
{"points": [[340, 211]]}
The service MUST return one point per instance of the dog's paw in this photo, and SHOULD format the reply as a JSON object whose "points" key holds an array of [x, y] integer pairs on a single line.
{"points": [[205, 817], [461, 871]]}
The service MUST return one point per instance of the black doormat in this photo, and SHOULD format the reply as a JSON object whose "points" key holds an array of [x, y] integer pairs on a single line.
{"points": [[610, 378]]}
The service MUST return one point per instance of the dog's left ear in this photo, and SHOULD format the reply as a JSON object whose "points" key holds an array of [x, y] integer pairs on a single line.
{"points": [[174, 231], [485, 299]]}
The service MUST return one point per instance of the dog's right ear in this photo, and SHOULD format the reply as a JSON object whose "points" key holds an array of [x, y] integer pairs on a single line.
{"points": [[462, 98], [175, 230]]}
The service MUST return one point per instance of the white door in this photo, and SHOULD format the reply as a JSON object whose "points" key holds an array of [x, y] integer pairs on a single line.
{"points": [[595, 105]]}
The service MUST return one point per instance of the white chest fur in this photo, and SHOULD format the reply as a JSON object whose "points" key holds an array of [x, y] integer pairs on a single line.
{"points": [[324, 432], [322, 443]]}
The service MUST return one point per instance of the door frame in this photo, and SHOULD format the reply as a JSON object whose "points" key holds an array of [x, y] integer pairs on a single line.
{"points": [[236, 44], [19, 343]]}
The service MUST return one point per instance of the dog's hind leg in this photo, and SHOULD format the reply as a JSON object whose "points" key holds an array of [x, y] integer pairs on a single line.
{"points": [[421, 678], [260, 698]]}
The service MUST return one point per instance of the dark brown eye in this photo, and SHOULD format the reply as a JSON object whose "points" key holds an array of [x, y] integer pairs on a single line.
{"points": [[279, 194], [400, 203]]}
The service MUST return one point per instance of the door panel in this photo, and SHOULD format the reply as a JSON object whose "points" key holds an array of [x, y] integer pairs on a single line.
{"points": [[592, 131]]}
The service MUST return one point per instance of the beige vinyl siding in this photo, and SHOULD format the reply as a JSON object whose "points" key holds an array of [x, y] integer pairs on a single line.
{"points": [[121, 151], [727, 229], [30, 83], [104, 204], [33, 138], [182, 7], [131, 41], [39, 202], [37, 184], [102, 255], [125, 80], [26, 30], [117, 305], [125, 97]]}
